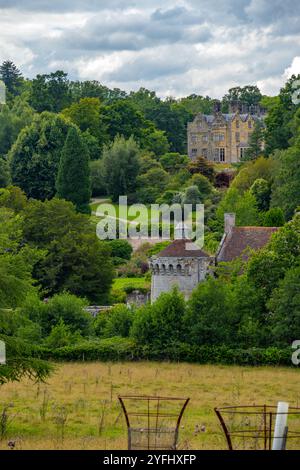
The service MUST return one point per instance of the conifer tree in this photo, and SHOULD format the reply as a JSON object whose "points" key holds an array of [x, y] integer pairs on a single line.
{"points": [[73, 179]]}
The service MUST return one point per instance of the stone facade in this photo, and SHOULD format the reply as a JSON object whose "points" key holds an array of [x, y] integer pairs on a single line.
{"points": [[181, 264], [221, 138]]}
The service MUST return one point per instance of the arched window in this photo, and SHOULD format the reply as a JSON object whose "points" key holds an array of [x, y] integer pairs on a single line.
{"points": [[171, 268], [179, 269], [156, 269], [163, 269]]}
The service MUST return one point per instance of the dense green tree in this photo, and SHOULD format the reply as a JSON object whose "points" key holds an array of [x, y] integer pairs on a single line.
{"points": [[261, 190], [12, 120], [22, 362], [284, 306], [121, 167], [208, 318], [120, 249], [11, 76], [50, 92], [119, 321], [201, 165], [61, 336], [251, 171], [63, 307], [256, 141], [203, 184], [269, 265], [274, 217], [35, 156], [192, 196], [86, 114], [151, 185], [97, 174], [278, 122], [75, 259], [162, 323], [249, 94], [243, 205], [94, 89], [286, 187], [4, 172], [73, 178], [16, 261], [195, 104], [173, 161]]}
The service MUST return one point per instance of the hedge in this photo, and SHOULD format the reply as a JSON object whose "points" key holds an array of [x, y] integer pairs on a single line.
{"points": [[125, 349]]}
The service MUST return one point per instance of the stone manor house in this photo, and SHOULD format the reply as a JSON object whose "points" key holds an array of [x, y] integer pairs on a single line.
{"points": [[220, 137]]}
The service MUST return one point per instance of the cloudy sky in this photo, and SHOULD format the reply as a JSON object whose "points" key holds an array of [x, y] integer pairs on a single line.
{"points": [[173, 47]]}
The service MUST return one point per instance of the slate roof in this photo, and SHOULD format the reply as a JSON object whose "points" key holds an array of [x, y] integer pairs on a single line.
{"points": [[182, 248], [209, 118], [241, 238]]}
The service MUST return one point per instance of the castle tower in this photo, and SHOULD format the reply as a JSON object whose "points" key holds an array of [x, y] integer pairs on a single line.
{"points": [[181, 264]]}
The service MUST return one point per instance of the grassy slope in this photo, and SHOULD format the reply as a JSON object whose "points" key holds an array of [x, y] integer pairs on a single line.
{"points": [[85, 388]]}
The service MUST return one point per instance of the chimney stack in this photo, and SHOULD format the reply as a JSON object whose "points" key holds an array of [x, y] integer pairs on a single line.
{"points": [[229, 222]]}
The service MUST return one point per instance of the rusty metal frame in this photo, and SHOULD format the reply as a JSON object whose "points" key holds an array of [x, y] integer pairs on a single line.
{"points": [[266, 411], [157, 414]]}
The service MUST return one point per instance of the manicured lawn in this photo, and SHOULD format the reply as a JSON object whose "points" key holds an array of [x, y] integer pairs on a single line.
{"points": [[135, 282]]}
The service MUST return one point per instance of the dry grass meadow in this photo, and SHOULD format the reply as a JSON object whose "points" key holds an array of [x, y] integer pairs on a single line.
{"points": [[78, 408]]}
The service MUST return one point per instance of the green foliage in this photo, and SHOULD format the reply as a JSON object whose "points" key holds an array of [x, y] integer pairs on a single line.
{"points": [[284, 306], [13, 198], [121, 167], [192, 196], [173, 161], [274, 217], [262, 168], [98, 184], [108, 349], [120, 248], [61, 335], [261, 190], [16, 261], [203, 184], [75, 259], [249, 94], [73, 178], [64, 309], [256, 141], [201, 165], [12, 120], [268, 266], [208, 318], [118, 322], [50, 92], [244, 206], [161, 323], [22, 361], [151, 185], [37, 151], [286, 188], [86, 114], [11, 76], [4, 172]]}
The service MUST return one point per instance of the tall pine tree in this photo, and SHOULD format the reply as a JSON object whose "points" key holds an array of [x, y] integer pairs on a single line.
{"points": [[73, 178], [11, 76]]}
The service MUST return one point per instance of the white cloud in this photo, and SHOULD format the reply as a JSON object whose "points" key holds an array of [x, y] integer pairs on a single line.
{"points": [[178, 48]]}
